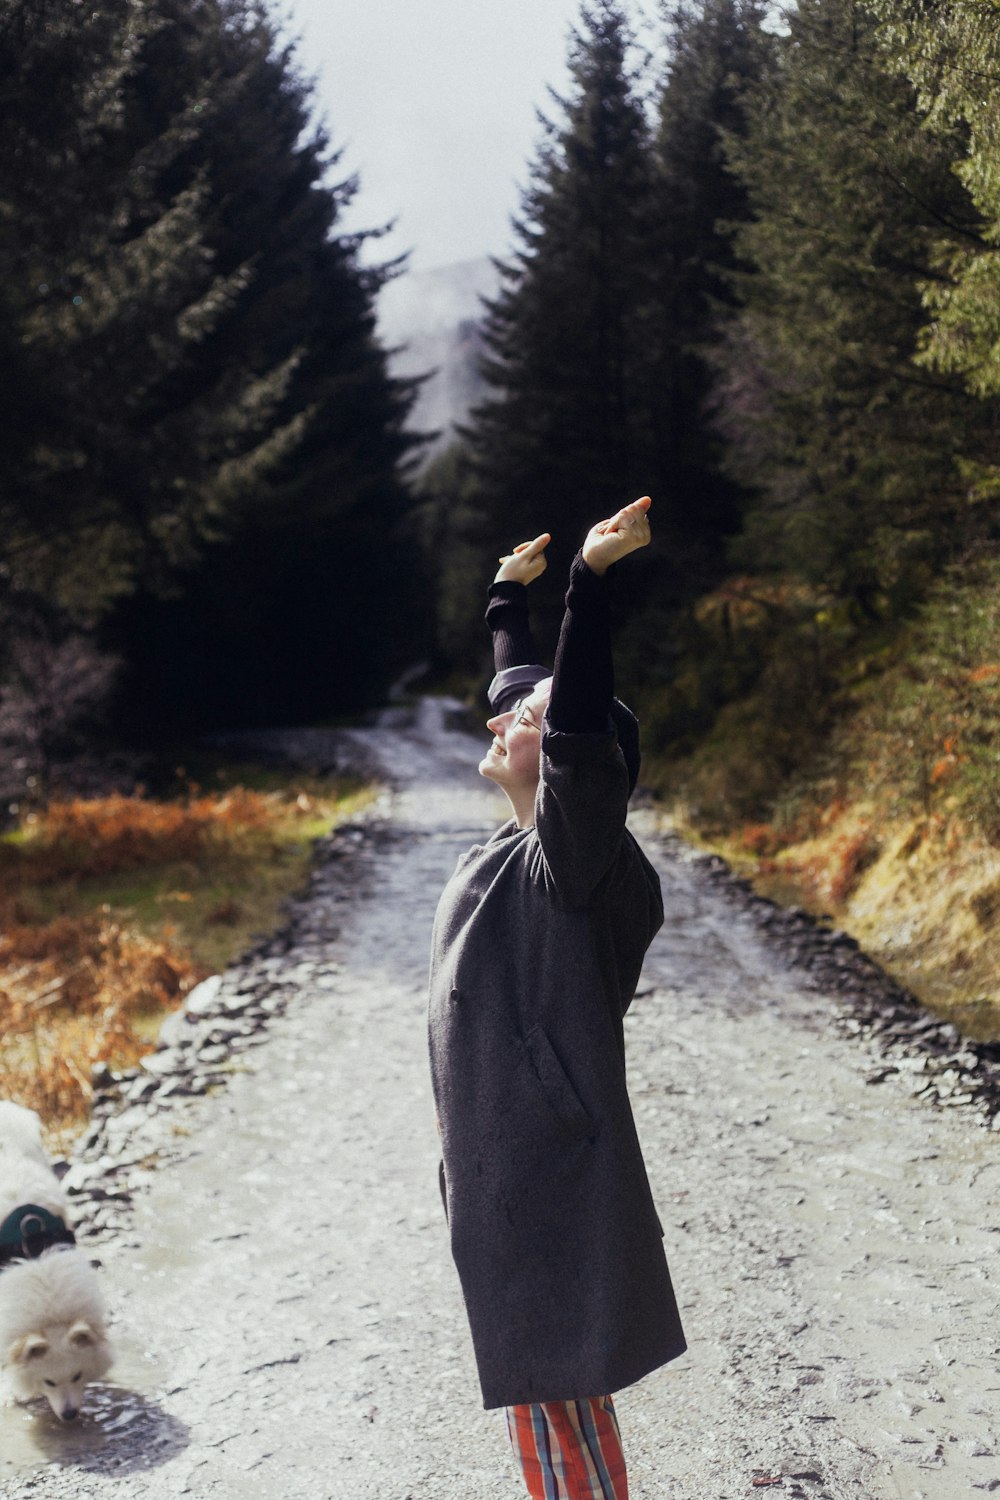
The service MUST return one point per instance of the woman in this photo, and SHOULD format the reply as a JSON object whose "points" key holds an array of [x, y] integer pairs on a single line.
{"points": [[538, 944]]}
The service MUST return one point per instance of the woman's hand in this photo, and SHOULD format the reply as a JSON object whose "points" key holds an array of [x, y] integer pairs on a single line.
{"points": [[526, 562], [616, 538]]}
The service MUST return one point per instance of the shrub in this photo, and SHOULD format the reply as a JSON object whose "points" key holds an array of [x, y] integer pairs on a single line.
{"points": [[97, 836], [74, 992]]}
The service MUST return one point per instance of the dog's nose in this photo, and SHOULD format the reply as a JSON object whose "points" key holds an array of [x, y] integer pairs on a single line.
{"points": [[71, 1413]]}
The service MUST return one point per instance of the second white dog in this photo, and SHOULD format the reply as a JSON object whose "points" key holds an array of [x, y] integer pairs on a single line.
{"points": [[53, 1335]]}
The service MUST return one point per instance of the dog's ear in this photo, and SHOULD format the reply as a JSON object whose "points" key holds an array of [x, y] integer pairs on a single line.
{"points": [[31, 1346], [82, 1335]]}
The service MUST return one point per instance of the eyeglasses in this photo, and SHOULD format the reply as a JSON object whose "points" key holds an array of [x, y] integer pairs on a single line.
{"points": [[522, 716]]}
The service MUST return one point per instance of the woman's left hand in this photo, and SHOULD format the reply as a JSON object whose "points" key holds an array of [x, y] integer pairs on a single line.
{"points": [[618, 536]]}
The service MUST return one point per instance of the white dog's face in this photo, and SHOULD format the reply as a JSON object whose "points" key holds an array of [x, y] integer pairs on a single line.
{"points": [[57, 1362]]}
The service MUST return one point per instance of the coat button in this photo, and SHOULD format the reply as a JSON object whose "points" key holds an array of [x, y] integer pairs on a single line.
{"points": [[455, 996]]}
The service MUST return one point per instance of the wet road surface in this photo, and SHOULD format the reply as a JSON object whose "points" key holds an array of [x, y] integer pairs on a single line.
{"points": [[287, 1315]]}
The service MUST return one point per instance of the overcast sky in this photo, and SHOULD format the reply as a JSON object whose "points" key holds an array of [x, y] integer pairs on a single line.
{"points": [[434, 104]]}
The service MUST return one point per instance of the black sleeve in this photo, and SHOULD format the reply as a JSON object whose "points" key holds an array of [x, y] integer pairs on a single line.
{"points": [[583, 676], [507, 617], [514, 651]]}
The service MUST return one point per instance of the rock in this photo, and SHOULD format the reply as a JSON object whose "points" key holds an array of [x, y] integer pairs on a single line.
{"points": [[162, 1063], [214, 1053], [81, 1176], [141, 1089], [177, 1030], [912, 1064], [220, 1036], [200, 1083], [881, 1074], [159, 1064], [172, 1086], [201, 1001], [236, 1005], [839, 939]]}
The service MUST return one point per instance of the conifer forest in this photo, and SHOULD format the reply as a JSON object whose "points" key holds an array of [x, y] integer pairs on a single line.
{"points": [[755, 274], [760, 284]]}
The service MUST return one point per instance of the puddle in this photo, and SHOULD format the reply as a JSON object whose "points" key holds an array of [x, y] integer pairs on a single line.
{"points": [[121, 1429]]}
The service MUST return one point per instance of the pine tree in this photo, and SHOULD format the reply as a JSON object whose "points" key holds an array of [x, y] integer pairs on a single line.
{"points": [[951, 54], [850, 445], [451, 532], [136, 437], [197, 383], [318, 549], [717, 48], [565, 436]]}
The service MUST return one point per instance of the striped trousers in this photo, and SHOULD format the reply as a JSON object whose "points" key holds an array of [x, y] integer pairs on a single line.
{"points": [[569, 1450]]}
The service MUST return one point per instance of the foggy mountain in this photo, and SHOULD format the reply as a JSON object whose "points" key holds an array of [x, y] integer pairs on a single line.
{"points": [[430, 321]]}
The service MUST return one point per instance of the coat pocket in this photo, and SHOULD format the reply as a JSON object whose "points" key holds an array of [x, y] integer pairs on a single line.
{"points": [[559, 1091]]}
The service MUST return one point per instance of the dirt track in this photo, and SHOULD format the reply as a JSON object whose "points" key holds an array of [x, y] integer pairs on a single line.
{"points": [[288, 1317]]}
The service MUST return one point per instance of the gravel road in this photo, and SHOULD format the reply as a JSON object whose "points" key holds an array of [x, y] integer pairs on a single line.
{"points": [[263, 1199]]}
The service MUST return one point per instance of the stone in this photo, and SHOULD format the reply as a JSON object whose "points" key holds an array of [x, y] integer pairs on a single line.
{"points": [[162, 1063], [273, 1005], [235, 1005], [213, 1053], [177, 1030], [201, 1001]]}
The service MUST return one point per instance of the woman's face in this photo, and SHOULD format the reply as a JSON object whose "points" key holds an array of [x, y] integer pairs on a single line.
{"points": [[513, 758]]}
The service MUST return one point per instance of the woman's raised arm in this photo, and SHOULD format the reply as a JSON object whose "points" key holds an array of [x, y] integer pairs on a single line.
{"points": [[515, 655]]}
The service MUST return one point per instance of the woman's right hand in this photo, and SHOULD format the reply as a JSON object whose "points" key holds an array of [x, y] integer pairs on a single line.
{"points": [[618, 536], [526, 562]]}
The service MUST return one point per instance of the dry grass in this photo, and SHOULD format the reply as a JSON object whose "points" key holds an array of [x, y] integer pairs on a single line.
{"points": [[78, 839], [112, 909], [75, 991]]}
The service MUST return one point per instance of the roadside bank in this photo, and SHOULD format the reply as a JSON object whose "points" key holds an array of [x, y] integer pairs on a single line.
{"points": [[920, 894]]}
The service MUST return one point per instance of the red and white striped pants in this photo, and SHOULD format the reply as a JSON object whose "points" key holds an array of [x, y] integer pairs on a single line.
{"points": [[569, 1450]]}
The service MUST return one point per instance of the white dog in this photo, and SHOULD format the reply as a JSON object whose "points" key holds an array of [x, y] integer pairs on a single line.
{"points": [[52, 1319]]}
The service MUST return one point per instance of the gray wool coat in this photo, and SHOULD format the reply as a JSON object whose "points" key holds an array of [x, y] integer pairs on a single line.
{"points": [[538, 943]]}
